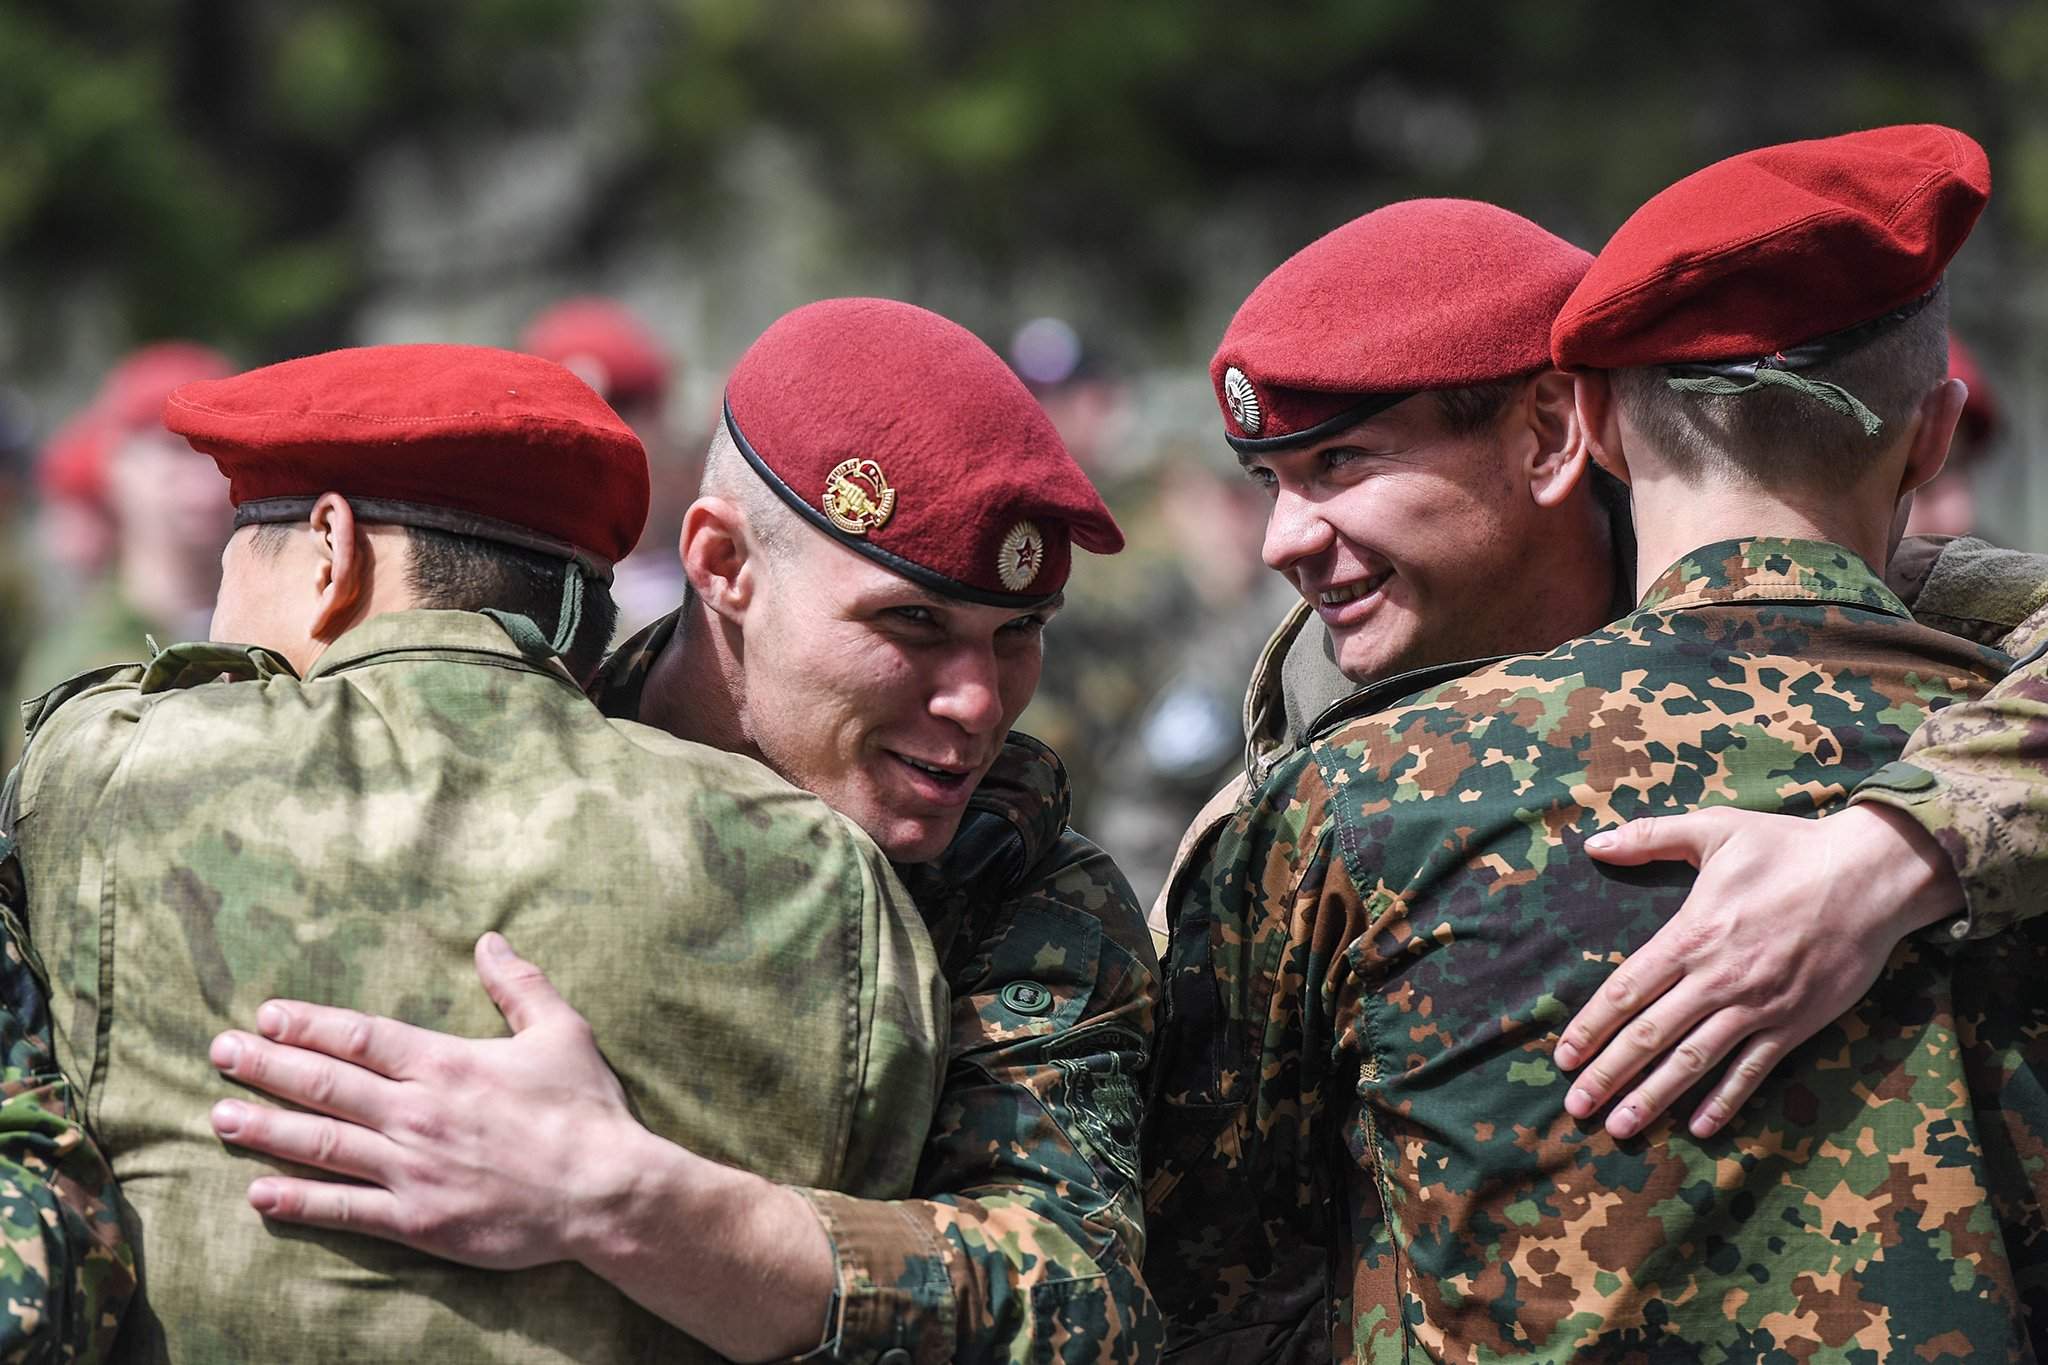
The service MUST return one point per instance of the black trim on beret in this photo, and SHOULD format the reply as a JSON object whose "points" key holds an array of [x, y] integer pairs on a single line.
{"points": [[1809, 354], [260, 510], [1373, 406], [895, 563]]}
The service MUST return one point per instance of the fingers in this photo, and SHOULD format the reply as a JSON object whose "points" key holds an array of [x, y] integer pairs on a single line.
{"points": [[303, 1077], [520, 990], [1654, 838], [1645, 976], [1744, 1075], [1669, 1017], [385, 1046], [307, 1139], [326, 1204], [1681, 1069]]}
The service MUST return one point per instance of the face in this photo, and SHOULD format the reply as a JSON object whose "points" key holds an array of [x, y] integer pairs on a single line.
{"points": [[165, 491], [1411, 542], [886, 699], [263, 598]]}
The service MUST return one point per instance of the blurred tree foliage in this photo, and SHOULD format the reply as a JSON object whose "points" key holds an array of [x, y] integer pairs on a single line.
{"points": [[207, 157]]}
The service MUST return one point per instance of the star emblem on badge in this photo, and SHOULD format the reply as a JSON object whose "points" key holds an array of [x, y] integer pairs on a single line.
{"points": [[1243, 400], [1020, 557]]}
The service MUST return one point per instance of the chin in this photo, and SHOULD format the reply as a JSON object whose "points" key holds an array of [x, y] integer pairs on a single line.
{"points": [[916, 841]]}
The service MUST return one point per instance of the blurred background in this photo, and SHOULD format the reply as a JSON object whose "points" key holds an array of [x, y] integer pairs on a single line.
{"points": [[1093, 188]]}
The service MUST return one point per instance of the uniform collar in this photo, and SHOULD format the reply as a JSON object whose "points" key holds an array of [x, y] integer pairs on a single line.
{"points": [[440, 633], [623, 677], [1770, 569]]}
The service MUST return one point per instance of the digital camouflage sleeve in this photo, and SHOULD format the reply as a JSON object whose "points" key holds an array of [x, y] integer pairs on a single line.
{"points": [[1024, 1234], [67, 1271]]}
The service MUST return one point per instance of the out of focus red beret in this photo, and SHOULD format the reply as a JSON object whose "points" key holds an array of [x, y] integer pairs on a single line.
{"points": [[1777, 247], [903, 437], [73, 464], [606, 346], [132, 397], [1422, 294], [466, 438], [1982, 417]]}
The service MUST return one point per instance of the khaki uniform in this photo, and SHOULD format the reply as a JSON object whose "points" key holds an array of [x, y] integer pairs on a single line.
{"points": [[763, 985]]}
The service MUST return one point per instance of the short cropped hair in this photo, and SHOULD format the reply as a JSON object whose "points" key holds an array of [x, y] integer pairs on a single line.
{"points": [[451, 572], [1781, 436], [1471, 409], [727, 475]]}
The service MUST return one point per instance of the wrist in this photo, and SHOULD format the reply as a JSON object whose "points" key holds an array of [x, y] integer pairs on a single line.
{"points": [[1912, 881], [628, 1202]]}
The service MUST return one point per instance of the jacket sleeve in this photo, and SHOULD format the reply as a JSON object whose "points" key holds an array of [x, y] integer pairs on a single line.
{"points": [[1975, 776], [66, 1267], [1023, 1236]]}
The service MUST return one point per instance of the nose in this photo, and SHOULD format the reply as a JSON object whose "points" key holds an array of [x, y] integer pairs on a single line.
{"points": [[968, 690], [1295, 530]]}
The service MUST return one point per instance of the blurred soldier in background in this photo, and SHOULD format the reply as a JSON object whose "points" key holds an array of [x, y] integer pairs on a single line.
{"points": [[168, 508], [608, 348], [1948, 505]]}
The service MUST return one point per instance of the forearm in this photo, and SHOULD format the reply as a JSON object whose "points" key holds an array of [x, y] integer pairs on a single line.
{"points": [[738, 1262]]}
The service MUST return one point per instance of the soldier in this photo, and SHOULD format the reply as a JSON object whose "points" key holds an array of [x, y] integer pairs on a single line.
{"points": [[885, 525], [1460, 294], [401, 760], [605, 346], [1407, 1120], [168, 516]]}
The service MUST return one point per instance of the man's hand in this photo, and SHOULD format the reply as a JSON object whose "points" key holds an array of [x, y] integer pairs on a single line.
{"points": [[491, 1152], [1788, 925], [521, 1151]]}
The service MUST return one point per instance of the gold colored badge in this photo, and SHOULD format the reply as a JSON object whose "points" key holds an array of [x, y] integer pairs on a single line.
{"points": [[858, 498], [1020, 557]]}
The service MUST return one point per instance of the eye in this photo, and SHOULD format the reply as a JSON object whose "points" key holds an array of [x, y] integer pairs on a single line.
{"points": [[1341, 456], [1027, 625], [919, 616], [1261, 477]]}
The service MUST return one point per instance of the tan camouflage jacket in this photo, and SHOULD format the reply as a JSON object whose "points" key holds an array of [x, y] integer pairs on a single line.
{"points": [[765, 989], [1388, 939], [1022, 1239]]}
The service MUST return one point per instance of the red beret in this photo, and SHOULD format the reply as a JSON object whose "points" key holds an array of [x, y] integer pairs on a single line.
{"points": [[470, 439], [133, 395], [1777, 247], [605, 345], [73, 465], [902, 436], [1423, 294], [1981, 415]]}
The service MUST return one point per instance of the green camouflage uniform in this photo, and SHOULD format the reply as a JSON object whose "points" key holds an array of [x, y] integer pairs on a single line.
{"points": [[101, 629], [1363, 1151], [764, 987], [1022, 1238]]}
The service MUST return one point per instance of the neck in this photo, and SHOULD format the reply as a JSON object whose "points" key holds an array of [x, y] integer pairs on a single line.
{"points": [[694, 689], [1674, 517]]}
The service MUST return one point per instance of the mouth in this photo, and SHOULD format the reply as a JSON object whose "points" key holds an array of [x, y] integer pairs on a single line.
{"points": [[1349, 603], [943, 784]]}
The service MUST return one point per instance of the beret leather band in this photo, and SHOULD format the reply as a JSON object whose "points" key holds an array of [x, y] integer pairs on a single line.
{"points": [[449, 519], [1371, 406], [895, 563], [1809, 354]]}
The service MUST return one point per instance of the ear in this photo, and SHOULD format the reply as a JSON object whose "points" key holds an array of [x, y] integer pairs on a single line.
{"points": [[1934, 427], [342, 566], [718, 556], [1557, 461], [1599, 421]]}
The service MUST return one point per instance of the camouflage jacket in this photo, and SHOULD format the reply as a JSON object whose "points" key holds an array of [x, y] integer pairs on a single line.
{"points": [[1368, 1155], [67, 1268], [764, 986], [1023, 1236]]}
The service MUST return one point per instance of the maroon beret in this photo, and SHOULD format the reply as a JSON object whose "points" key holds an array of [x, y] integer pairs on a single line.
{"points": [[132, 397], [1776, 248], [470, 439], [606, 346], [1423, 294], [903, 437]]}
